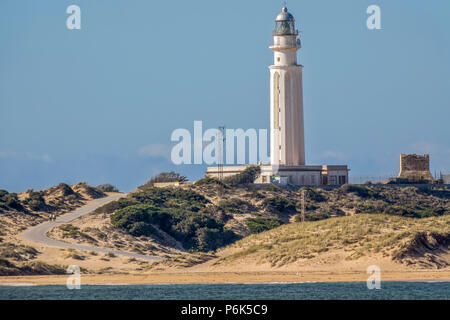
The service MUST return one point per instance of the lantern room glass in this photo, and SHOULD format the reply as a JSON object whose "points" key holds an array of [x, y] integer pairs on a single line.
{"points": [[284, 27]]}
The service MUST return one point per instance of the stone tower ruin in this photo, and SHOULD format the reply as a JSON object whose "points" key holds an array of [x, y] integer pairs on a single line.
{"points": [[415, 168]]}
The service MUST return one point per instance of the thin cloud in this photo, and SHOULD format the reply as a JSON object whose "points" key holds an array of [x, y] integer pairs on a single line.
{"points": [[7, 154], [39, 157], [156, 150], [29, 155], [330, 154], [424, 147]]}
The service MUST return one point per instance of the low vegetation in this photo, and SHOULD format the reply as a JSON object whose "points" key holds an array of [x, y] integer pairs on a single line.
{"points": [[406, 240], [107, 188], [234, 206], [260, 224], [55, 199], [17, 252], [178, 212], [8, 268], [70, 231], [245, 177], [16, 259], [9, 201], [164, 177], [210, 214], [210, 181], [183, 260], [278, 204], [88, 192]]}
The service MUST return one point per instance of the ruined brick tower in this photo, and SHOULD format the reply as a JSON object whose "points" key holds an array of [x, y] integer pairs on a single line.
{"points": [[415, 167]]}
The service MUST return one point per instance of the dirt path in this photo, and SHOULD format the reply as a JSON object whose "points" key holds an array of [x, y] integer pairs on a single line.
{"points": [[39, 232]]}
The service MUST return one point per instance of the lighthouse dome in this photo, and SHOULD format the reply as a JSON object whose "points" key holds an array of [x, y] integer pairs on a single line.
{"points": [[284, 15]]}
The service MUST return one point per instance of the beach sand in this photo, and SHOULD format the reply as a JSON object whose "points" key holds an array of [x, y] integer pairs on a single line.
{"points": [[225, 277]]}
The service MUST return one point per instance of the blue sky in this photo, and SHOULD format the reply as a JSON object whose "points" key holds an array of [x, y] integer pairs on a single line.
{"points": [[99, 104]]}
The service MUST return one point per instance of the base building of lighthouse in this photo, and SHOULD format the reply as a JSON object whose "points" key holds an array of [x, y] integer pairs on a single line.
{"points": [[287, 138]]}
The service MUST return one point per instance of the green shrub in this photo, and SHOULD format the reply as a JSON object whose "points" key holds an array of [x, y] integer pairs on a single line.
{"points": [[75, 256], [260, 224], [137, 219], [17, 252], [314, 195], [308, 206], [184, 225], [10, 201], [141, 229], [185, 199], [245, 177], [211, 239], [107, 188], [272, 188], [361, 191], [316, 216], [178, 197], [70, 231], [233, 205], [254, 194], [279, 204], [37, 205], [116, 205], [415, 212], [164, 177], [93, 192], [36, 202], [179, 212], [14, 203], [65, 188], [180, 223], [41, 268], [436, 192], [207, 181], [68, 228]]}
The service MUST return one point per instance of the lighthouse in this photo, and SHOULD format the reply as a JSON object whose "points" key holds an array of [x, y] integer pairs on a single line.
{"points": [[287, 134], [287, 138]]}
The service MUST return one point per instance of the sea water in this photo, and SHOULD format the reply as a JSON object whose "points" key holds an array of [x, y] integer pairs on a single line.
{"points": [[271, 291]]}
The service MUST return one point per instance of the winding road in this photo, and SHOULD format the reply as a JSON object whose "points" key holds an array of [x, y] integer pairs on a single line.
{"points": [[39, 232]]}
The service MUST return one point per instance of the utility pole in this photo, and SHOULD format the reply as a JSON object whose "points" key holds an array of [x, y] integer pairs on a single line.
{"points": [[303, 204], [220, 143]]}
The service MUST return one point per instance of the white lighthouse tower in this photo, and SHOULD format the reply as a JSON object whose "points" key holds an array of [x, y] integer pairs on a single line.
{"points": [[287, 137], [287, 141]]}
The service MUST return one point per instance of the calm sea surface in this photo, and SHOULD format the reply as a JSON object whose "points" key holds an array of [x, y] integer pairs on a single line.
{"points": [[297, 291]]}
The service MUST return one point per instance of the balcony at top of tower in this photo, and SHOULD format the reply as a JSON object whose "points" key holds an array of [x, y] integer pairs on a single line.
{"points": [[285, 24]]}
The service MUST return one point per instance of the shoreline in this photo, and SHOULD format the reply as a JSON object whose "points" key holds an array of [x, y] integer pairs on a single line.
{"points": [[223, 278]]}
